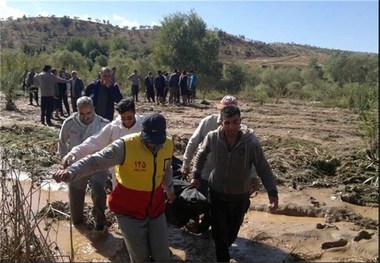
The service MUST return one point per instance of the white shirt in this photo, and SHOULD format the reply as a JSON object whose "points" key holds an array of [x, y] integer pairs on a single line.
{"points": [[106, 136]]}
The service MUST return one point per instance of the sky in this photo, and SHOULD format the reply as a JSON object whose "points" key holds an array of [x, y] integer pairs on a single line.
{"points": [[344, 25]]}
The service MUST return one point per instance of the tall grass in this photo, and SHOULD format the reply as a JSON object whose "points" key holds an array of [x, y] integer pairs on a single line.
{"points": [[25, 237]]}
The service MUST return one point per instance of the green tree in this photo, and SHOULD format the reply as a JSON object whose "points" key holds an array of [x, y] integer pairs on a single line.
{"points": [[117, 43], [343, 68], [334, 67], [12, 67], [234, 77], [76, 44], [183, 42], [102, 60], [67, 59], [313, 65], [276, 80]]}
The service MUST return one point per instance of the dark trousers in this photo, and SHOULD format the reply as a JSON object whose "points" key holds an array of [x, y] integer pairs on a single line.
{"points": [[65, 103], [33, 94], [150, 94], [227, 215], [47, 106], [74, 103], [135, 92], [206, 220]]}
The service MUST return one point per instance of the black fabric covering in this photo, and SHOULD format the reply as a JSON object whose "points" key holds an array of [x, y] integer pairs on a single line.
{"points": [[176, 165], [190, 203]]}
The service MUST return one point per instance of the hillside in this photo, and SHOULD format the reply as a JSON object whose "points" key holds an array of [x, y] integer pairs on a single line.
{"points": [[51, 32]]}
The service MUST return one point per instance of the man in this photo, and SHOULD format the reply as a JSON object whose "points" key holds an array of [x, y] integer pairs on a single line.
{"points": [[75, 129], [61, 96], [33, 91], [47, 82], [104, 93], [174, 87], [234, 150], [113, 77], [127, 122], [160, 84], [207, 124], [135, 78], [184, 88], [143, 175], [76, 89], [149, 88], [192, 86]]}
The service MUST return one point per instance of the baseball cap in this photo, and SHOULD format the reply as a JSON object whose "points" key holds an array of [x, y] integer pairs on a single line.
{"points": [[227, 100], [154, 129]]}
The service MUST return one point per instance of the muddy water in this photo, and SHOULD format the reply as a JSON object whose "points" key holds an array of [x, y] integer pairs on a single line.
{"points": [[263, 237], [85, 245]]}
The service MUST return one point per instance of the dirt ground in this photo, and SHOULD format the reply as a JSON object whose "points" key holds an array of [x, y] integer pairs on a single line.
{"points": [[326, 214]]}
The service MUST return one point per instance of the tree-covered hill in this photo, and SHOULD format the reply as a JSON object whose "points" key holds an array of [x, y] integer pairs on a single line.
{"points": [[41, 33]]}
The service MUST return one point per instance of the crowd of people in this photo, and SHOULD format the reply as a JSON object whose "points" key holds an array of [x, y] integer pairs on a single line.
{"points": [[166, 89], [53, 87], [56, 86], [223, 158]]}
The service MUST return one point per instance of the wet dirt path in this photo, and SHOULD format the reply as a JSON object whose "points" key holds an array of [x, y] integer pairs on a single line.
{"points": [[263, 237]]}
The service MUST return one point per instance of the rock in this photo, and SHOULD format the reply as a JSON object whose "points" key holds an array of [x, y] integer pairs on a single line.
{"points": [[320, 226], [338, 243], [362, 235]]}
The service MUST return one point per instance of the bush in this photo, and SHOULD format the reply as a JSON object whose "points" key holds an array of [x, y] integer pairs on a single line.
{"points": [[10, 82]]}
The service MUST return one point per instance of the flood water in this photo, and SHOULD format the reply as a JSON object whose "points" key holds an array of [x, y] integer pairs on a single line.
{"points": [[87, 245]]}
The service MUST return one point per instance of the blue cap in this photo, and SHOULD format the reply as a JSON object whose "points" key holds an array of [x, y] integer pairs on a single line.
{"points": [[154, 129]]}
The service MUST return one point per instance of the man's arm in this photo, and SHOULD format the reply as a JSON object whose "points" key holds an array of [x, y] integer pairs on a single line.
{"points": [[89, 91], [116, 94], [63, 138], [110, 156], [81, 85], [93, 143], [265, 173], [192, 146], [199, 160], [167, 183]]}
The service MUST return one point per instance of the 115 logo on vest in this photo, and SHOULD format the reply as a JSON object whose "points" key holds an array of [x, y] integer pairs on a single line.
{"points": [[140, 166]]}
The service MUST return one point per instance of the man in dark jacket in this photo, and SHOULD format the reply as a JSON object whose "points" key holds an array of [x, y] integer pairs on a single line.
{"points": [[105, 94], [159, 84], [233, 150], [76, 89]]}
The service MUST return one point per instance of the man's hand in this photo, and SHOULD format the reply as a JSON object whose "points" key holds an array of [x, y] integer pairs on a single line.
{"points": [[171, 196], [185, 171], [273, 204], [195, 182], [68, 160], [61, 176]]}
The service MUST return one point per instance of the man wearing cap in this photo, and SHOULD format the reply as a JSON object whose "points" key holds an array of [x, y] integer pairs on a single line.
{"points": [[127, 122], [143, 174], [207, 124]]}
